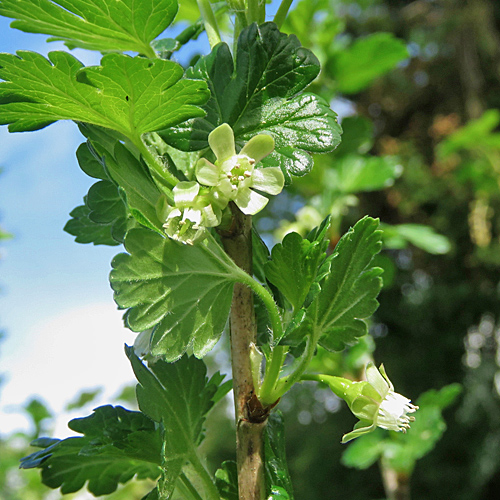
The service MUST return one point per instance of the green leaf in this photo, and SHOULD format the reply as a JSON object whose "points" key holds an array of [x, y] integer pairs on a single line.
{"points": [[441, 398], [476, 134], [178, 395], [364, 451], [129, 95], [183, 291], [117, 445], [226, 480], [83, 398], [105, 203], [353, 173], [421, 236], [357, 136], [348, 292], [89, 163], [368, 58], [295, 263], [259, 93], [300, 125], [87, 231], [279, 484], [141, 192], [101, 25]]}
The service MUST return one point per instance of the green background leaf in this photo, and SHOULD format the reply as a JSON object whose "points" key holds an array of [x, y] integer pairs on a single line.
{"points": [[424, 237], [401, 451], [355, 67]]}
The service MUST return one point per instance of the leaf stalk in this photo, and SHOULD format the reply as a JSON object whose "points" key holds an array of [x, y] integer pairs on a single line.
{"points": [[210, 22], [186, 489], [211, 491], [282, 12]]}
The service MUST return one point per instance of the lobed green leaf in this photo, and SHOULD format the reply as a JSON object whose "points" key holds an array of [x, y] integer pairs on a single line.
{"points": [[278, 481], [348, 292], [117, 445], [130, 95], [183, 291], [101, 25], [259, 93], [86, 230], [226, 480], [294, 265], [179, 396]]}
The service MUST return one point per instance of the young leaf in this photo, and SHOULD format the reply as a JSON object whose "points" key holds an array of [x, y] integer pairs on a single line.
{"points": [[348, 293], [183, 291], [278, 480], [117, 444], [106, 26], [107, 204], [294, 265], [179, 395], [259, 93], [129, 95]]}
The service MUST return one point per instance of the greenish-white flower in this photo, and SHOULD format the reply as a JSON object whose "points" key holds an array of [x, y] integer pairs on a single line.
{"points": [[373, 401], [234, 177], [191, 214]]}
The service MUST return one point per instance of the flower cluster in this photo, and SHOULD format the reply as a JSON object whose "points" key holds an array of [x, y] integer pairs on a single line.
{"points": [[373, 401], [232, 177]]}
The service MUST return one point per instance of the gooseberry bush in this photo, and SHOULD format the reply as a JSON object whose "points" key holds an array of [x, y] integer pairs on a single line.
{"points": [[183, 159]]}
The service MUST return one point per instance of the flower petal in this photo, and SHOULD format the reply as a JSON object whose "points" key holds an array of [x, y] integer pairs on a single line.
{"points": [[226, 188], [376, 380], [258, 147], [192, 215], [211, 218], [270, 180], [250, 202], [221, 141], [185, 193], [207, 173]]}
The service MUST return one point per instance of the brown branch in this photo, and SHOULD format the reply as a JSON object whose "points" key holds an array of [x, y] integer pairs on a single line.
{"points": [[249, 430]]}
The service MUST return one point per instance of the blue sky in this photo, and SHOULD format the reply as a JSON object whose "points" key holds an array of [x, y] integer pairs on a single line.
{"points": [[63, 332]]}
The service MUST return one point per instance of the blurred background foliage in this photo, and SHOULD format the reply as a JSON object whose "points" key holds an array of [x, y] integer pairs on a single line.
{"points": [[417, 86]]}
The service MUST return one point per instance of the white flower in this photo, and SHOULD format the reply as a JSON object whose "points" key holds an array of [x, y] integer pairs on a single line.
{"points": [[373, 401], [191, 214], [393, 410], [234, 176]]}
